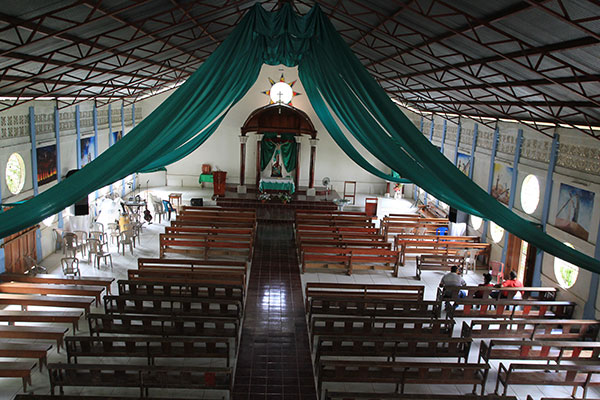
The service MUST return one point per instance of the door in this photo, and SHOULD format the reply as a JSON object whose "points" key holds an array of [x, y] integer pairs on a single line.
{"points": [[520, 257]]}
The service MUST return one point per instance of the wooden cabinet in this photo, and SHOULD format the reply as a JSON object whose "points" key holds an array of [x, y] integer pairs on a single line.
{"points": [[219, 178]]}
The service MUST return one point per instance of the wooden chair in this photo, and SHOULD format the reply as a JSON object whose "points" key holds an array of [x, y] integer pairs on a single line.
{"points": [[70, 266], [348, 195], [97, 248]]}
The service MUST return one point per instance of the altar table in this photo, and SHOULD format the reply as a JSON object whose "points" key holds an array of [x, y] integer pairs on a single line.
{"points": [[286, 184]]}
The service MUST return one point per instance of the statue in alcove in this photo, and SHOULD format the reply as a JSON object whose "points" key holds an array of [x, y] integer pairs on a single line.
{"points": [[276, 170]]}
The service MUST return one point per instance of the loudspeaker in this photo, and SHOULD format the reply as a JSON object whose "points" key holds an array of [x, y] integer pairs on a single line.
{"points": [[81, 207], [199, 202], [452, 214], [457, 216]]}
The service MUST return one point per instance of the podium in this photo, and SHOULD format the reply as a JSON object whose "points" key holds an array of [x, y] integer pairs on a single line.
{"points": [[219, 178]]}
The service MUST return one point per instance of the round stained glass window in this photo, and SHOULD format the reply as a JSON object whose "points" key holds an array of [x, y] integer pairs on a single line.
{"points": [[530, 194], [281, 92], [496, 232], [15, 173], [476, 222], [566, 273]]}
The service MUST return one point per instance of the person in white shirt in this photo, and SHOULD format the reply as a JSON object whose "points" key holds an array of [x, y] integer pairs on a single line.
{"points": [[452, 279]]}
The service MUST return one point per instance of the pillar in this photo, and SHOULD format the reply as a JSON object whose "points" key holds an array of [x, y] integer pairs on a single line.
{"points": [[473, 148], [110, 134], [431, 128], [491, 178], [444, 129], [457, 143], [297, 177], [589, 310], [95, 121], [258, 144], [513, 187], [78, 136], [313, 155], [243, 140], [32, 133], [539, 256], [60, 223], [123, 134]]}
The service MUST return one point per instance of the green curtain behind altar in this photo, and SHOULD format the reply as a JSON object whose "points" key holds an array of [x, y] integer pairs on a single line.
{"points": [[288, 148], [336, 83]]}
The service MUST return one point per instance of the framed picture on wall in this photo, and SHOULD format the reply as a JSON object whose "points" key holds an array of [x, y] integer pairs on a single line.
{"points": [[463, 162], [46, 164], [574, 213], [116, 136], [87, 150], [501, 183]]}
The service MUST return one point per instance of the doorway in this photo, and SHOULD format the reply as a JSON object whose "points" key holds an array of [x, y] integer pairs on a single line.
{"points": [[520, 257]]}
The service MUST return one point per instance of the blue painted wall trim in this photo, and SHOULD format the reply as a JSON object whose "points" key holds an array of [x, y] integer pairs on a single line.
{"points": [[473, 148], [33, 150], [458, 132], [60, 223], [491, 178], [78, 132], [123, 134], [95, 121], [133, 126], [513, 186], [444, 129], [589, 311], [110, 134], [431, 129], [539, 257]]}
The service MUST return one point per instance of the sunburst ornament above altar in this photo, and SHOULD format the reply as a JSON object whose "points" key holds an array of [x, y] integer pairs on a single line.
{"points": [[281, 91]]}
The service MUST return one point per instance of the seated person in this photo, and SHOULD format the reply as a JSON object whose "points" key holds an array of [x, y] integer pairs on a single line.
{"points": [[453, 279], [512, 282], [487, 282]]}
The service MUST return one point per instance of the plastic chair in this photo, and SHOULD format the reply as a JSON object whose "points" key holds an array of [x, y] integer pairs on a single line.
{"points": [[81, 241], [97, 226], [113, 232], [70, 266], [126, 239], [159, 209], [441, 231], [169, 208], [96, 248], [70, 244], [98, 235]]}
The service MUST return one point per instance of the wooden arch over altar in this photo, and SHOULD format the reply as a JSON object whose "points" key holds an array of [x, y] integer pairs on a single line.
{"points": [[281, 119]]}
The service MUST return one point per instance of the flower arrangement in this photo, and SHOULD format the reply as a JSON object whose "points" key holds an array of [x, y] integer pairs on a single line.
{"points": [[284, 197], [264, 196], [398, 187]]}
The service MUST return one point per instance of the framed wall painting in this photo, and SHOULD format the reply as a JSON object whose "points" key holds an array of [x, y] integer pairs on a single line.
{"points": [[463, 162], [574, 213], [501, 182], [116, 136], [46, 164], [87, 150]]}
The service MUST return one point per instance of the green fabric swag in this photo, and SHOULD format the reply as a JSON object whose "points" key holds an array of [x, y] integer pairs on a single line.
{"points": [[335, 82], [288, 150]]}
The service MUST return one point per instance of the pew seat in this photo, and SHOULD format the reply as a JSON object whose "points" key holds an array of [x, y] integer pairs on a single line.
{"points": [[70, 317]]}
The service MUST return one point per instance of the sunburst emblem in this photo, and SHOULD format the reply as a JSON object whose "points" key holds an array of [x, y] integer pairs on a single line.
{"points": [[281, 91]]}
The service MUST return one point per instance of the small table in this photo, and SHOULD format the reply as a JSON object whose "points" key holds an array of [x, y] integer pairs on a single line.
{"points": [[340, 203], [134, 206], [173, 197]]}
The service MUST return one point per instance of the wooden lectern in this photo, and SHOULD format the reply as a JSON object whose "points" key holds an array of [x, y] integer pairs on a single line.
{"points": [[219, 178]]}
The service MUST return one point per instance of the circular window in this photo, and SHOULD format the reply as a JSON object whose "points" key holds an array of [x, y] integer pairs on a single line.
{"points": [[496, 232], [15, 173], [530, 194], [281, 92], [566, 273], [476, 222], [50, 220]]}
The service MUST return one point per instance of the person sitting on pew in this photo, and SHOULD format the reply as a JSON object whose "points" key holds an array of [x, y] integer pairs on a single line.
{"points": [[487, 282], [512, 282], [452, 279]]}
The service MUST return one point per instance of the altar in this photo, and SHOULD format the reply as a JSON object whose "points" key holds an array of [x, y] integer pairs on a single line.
{"points": [[282, 184]]}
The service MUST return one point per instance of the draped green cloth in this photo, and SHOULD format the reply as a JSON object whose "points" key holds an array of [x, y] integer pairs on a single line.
{"points": [[288, 150], [335, 82]]}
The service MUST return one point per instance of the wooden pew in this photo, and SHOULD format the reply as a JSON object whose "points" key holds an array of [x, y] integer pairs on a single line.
{"points": [[163, 325], [209, 289], [25, 300], [407, 328], [559, 329], [401, 237], [391, 348], [349, 259], [300, 211], [193, 264], [510, 308], [45, 288], [213, 223], [342, 230], [412, 248], [141, 376], [398, 396], [217, 211], [540, 350], [428, 262], [183, 275], [363, 291], [61, 280], [402, 373], [26, 350], [81, 397], [584, 376], [335, 220], [302, 236], [149, 347], [67, 317], [238, 246], [527, 293], [34, 332], [202, 307], [344, 243], [328, 305], [402, 225], [17, 370]]}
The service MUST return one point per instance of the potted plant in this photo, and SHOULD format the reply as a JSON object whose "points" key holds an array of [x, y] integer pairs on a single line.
{"points": [[398, 190], [264, 197], [284, 197]]}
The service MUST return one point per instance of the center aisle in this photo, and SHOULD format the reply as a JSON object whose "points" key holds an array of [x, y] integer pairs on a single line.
{"points": [[274, 360]]}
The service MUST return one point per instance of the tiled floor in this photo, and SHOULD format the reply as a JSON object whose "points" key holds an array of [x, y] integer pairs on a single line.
{"points": [[274, 359]]}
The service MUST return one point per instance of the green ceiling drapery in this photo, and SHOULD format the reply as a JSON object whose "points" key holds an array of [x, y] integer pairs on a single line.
{"points": [[333, 78]]}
